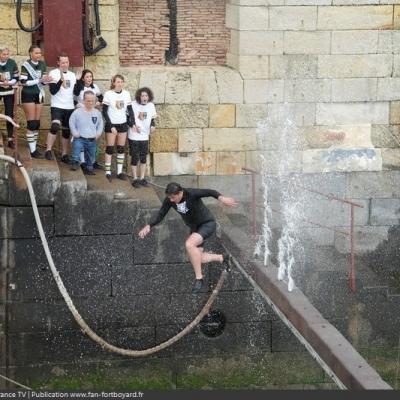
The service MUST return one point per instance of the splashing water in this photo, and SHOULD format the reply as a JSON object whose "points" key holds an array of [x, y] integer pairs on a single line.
{"points": [[280, 156]]}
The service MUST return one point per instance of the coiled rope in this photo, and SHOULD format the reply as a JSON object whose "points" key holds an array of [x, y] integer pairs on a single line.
{"points": [[81, 322]]}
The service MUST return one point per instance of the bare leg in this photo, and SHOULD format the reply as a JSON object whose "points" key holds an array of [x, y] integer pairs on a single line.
{"points": [[142, 170], [64, 146], [196, 254], [134, 171]]}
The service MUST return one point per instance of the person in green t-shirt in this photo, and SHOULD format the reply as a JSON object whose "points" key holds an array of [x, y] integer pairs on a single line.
{"points": [[8, 78], [33, 78]]}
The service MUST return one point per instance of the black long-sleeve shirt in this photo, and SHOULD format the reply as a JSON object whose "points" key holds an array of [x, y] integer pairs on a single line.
{"points": [[191, 208]]}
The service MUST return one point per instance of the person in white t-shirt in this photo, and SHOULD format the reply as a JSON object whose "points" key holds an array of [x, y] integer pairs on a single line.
{"points": [[138, 136], [62, 106], [117, 104]]}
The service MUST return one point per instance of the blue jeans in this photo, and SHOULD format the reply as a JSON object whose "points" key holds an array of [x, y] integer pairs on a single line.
{"points": [[88, 146]]}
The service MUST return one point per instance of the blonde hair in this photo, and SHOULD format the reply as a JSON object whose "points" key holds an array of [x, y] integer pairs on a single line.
{"points": [[114, 78]]}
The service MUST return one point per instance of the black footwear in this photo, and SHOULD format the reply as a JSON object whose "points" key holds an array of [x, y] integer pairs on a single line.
{"points": [[136, 183], [227, 260], [121, 176], [89, 172], [144, 183], [48, 155], [11, 144], [65, 159], [197, 286], [36, 154], [109, 177], [74, 166], [96, 165]]}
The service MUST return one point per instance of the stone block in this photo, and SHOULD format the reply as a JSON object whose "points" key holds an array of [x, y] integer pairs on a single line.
{"points": [[389, 42], [319, 236], [317, 42], [343, 136], [8, 19], [354, 89], [178, 88], [24, 40], [222, 115], [250, 67], [385, 212], [205, 163], [293, 66], [308, 2], [355, 66], [182, 116], [385, 135], [156, 80], [388, 89], [385, 184], [257, 2], [307, 90], [109, 17], [112, 39], [131, 76], [103, 67], [249, 115], [247, 18], [273, 161], [259, 43], [355, 17], [352, 113], [173, 164], [342, 160], [19, 222], [204, 86], [230, 86], [396, 65], [10, 38], [230, 163], [390, 159], [396, 17], [164, 141], [293, 18], [394, 112], [366, 239], [229, 139], [263, 91], [190, 140], [355, 42], [299, 113]]}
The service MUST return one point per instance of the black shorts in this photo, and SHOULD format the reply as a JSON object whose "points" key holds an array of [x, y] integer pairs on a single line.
{"points": [[121, 128], [138, 149], [27, 97], [205, 230], [62, 115]]}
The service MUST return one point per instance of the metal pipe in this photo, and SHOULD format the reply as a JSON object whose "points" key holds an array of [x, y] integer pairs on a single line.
{"points": [[352, 275]]}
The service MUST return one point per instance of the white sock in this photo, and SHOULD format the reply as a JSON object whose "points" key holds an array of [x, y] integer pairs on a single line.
{"points": [[120, 163], [30, 137]]}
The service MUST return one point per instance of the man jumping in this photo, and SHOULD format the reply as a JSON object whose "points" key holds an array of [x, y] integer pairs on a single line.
{"points": [[187, 202]]}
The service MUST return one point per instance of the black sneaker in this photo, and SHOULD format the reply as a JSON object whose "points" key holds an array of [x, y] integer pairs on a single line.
{"points": [[36, 154], [136, 183], [109, 177], [227, 260], [144, 183], [74, 166], [11, 144], [121, 176], [197, 286], [96, 165], [48, 155], [89, 172], [65, 159]]}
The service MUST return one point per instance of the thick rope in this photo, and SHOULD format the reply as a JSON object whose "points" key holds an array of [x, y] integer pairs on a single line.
{"points": [[84, 326]]}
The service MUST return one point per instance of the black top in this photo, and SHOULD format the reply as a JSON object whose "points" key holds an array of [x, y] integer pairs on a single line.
{"points": [[191, 208]]}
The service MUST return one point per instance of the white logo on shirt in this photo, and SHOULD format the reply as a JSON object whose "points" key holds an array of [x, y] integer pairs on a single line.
{"points": [[181, 207]]}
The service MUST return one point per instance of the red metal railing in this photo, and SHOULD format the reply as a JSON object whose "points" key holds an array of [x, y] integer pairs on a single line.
{"points": [[254, 205]]}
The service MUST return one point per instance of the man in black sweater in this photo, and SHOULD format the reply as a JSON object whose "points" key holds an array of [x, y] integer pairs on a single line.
{"points": [[187, 202]]}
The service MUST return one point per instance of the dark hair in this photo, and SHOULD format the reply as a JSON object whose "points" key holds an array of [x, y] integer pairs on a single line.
{"points": [[62, 54], [173, 188], [143, 89], [80, 80], [32, 47]]}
